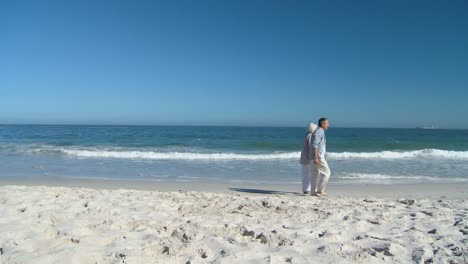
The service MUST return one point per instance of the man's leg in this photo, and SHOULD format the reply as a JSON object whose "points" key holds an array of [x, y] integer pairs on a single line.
{"points": [[323, 176], [305, 171]]}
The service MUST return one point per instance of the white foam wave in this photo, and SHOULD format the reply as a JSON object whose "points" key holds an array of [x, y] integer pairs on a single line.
{"points": [[385, 177], [425, 153], [178, 155], [157, 155]]}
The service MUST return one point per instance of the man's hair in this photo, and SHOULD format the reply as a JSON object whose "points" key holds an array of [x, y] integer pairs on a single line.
{"points": [[322, 121]]}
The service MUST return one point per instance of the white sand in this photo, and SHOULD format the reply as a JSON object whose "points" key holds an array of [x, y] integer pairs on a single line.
{"points": [[40, 224]]}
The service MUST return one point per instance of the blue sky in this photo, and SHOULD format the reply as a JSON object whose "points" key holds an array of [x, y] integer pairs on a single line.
{"points": [[360, 63]]}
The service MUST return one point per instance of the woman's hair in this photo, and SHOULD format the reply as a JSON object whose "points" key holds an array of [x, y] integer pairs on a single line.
{"points": [[311, 128]]}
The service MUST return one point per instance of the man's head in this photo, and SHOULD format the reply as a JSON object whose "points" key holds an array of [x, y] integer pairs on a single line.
{"points": [[323, 123]]}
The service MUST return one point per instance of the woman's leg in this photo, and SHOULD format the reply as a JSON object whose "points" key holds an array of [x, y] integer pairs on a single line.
{"points": [[305, 172]]}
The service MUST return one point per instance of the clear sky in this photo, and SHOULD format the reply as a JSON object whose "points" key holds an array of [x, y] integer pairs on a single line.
{"points": [[280, 63]]}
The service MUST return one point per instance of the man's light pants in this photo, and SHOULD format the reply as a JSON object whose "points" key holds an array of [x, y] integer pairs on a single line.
{"points": [[322, 172]]}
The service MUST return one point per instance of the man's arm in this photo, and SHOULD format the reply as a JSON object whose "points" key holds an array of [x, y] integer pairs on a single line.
{"points": [[316, 160]]}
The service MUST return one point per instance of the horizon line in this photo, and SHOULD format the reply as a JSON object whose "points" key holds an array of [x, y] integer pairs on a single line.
{"points": [[191, 125]]}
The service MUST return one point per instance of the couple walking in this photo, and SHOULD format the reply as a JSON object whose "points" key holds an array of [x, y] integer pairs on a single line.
{"points": [[315, 171]]}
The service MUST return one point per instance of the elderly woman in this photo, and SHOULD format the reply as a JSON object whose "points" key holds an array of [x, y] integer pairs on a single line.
{"points": [[307, 169]]}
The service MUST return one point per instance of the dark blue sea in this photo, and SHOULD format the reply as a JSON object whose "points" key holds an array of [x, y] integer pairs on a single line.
{"points": [[232, 154]]}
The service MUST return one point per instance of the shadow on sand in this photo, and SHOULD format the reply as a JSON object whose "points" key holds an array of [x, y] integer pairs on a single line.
{"points": [[260, 191]]}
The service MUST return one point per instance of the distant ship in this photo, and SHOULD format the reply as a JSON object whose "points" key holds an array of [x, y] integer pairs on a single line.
{"points": [[427, 127]]}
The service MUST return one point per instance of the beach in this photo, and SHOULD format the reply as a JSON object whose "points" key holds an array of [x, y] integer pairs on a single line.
{"points": [[190, 132], [168, 194], [107, 221]]}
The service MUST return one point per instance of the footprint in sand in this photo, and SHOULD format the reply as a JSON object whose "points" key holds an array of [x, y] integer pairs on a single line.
{"points": [[428, 213]]}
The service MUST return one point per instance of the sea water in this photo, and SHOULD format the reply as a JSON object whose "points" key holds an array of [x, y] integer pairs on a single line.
{"points": [[230, 154]]}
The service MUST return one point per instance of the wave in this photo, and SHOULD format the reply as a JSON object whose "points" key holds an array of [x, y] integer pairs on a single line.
{"points": [[152, 155], [385, 177], [424, 153], [186, 154]]}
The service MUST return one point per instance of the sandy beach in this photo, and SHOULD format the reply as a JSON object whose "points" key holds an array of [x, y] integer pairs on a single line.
{"points": [[104, 222], [187, 132]]}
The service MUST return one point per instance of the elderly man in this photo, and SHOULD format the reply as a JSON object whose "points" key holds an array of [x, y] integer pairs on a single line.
{"points": [[322, 171]]}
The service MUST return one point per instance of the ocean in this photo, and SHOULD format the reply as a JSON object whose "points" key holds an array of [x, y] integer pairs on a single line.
{"points": [[230, 154]]}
